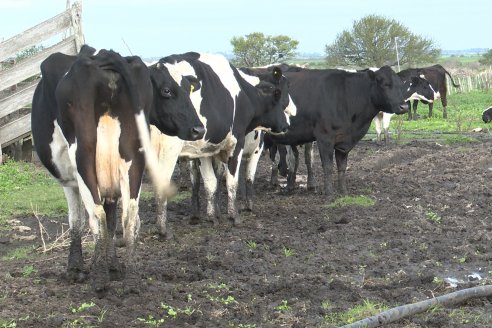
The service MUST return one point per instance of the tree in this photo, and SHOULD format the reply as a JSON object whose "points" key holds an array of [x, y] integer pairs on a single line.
{"points": [[371, 42], [486, 58], [256, 49]]}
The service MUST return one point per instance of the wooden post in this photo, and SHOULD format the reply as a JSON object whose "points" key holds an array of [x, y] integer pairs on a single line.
{"points": [[1, 160], [76, 13]]}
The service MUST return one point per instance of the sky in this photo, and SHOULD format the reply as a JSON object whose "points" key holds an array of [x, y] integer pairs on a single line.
{"points": [[152, 28]]}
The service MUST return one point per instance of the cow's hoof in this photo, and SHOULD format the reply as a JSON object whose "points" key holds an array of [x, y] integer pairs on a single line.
{"points": [[76, 275], [194, 220], [167, 235], [117, 271], [119, 242]]}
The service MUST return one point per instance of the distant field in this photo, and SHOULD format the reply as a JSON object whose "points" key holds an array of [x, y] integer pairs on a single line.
{"points": [[320, 62]]}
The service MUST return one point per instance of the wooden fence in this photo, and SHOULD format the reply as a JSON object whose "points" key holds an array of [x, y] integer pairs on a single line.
{"points": [[470, 81], [14, 85]]}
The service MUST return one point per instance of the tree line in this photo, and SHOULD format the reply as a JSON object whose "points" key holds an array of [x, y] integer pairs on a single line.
{"points": [[372, 41]]}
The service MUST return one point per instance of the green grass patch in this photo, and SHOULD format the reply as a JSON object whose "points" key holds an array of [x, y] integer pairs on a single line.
{"points": [[178, 198], [19, 253], [464, 114], [25, 188], [352, 200], [358, 312]]}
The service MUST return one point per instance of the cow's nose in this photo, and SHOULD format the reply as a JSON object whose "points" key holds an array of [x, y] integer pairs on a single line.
{"points": [[404, 108], [197, 132]]}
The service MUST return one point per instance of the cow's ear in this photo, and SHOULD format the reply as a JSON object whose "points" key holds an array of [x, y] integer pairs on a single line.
{"points": [[371, 74], [277, 73], [195, 83]]}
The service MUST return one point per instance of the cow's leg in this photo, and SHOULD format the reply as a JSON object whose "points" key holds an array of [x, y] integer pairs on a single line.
{"points": [[444, 102], [116, 270], [274, 176], [232, 177], [76, 220], [386, 124], [168, 149], [195, 190], [326, 153], [308, 159], [210, 185], [341, 158], [431, 105], [415, 105], [292, 164], [251, 166], [378, 128]]}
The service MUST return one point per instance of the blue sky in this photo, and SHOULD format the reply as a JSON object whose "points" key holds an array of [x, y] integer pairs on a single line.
{"points": [[153, 28]]}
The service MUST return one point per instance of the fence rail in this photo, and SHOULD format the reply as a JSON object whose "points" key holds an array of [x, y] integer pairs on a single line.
{"points": [[67, 23]]}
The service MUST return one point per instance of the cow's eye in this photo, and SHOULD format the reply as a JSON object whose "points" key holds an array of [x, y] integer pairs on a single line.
{"points": [[166, 92]]}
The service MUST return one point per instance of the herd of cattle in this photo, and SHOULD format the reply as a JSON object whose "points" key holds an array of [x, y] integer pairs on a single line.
{"points": [[99, 119]]}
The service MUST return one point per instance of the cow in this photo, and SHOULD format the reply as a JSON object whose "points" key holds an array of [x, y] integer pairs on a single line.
{"points": [[487, 115], [231, 104], [336, 108], [436, 75], [90, 126], [415, 88]]}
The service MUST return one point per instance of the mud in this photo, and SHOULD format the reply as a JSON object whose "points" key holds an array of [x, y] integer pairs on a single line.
{"points": [[294, 261]]}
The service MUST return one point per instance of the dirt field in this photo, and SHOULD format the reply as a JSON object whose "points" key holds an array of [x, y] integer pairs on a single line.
{"points": [[294, 262]]}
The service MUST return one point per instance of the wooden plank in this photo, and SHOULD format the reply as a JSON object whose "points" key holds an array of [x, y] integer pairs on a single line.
{"points": [[15, 130], [30, 66], [17, 100], [36, 34]]}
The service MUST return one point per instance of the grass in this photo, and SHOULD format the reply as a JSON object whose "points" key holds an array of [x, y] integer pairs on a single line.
{"points": [[344, 201], [25, 188], [358, 312], [464, 115]]}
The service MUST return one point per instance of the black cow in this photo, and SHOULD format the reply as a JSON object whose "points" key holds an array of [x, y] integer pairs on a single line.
{"points": [[436, 75], [335, 108], [231, 104], [90, 128], [487, 115]]}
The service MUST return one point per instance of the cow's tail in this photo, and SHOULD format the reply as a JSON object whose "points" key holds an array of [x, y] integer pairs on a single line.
{"points": [[111, 60], [451, 78]]}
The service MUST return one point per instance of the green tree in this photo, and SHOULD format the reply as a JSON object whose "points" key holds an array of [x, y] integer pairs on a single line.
{"points": [[257, 49], [486, 58], [371, 42]]}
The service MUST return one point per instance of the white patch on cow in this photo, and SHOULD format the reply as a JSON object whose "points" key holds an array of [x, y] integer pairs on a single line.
{"points": [[291, 108], [417, 96], [221, 66], [437, 95], [251, 79], [108, 159]]}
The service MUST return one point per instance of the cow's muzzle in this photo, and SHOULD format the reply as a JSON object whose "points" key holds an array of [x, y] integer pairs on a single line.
{"points": [[403, 108], [197, 132]]}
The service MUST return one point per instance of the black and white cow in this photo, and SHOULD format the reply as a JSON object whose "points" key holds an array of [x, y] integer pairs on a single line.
{"points": [[90, 128], [335, 108], [487, 115], [415, 88], [436, 75], [230, 107]]}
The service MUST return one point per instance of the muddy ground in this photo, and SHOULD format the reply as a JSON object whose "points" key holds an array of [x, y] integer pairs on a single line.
{"points": [[294, 262]]}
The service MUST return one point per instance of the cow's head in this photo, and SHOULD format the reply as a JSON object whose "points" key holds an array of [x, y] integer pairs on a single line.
{"points": [[487, 115], [417, 88], [172, 110], [387, 92], [276, 104]]}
